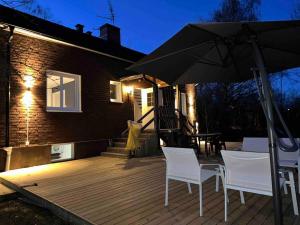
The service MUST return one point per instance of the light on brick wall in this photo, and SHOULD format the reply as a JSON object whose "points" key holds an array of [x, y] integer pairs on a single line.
{"points": [[27, 99], [27, 102]]}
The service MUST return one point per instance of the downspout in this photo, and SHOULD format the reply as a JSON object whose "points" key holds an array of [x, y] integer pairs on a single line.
{"points": [[156, 114], [7, 88]]}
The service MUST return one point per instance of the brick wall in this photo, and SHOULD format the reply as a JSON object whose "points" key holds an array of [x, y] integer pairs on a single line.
{"points": [[99, 119], [3, 38]]}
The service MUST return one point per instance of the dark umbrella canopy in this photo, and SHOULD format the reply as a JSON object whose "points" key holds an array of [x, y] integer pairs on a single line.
{"points": [[226, 52], [215, 52]]}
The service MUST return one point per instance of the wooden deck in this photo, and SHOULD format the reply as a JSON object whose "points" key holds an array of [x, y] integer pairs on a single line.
{"points": [[104, 190]]}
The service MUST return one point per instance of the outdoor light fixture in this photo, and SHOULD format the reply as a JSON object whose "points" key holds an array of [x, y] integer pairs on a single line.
{"points": [[28, 81], [197, 127], [128, 89]]}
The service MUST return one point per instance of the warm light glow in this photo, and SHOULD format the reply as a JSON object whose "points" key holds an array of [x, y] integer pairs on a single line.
{"points": [[128, 89], [26, 171], [27, 99], [191, 100], [197, 127], [28, 81]]}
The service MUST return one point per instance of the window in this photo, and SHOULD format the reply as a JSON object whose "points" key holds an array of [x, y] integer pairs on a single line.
{"points": [[150, 101], [62, 152], [115, 91], [63, 92]]}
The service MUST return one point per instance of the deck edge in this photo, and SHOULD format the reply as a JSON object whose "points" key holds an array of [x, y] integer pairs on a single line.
{"points": [[57, 210]]}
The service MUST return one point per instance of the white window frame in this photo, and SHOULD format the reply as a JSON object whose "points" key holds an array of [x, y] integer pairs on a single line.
{"points": [[119, 94], [183, 104], [77, 79], [63, 159]]}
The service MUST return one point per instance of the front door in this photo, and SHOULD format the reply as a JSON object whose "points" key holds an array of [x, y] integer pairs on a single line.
{"points": [[148, 104]]}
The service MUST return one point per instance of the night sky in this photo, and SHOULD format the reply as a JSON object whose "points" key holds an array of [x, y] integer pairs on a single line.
{"points": [[145, 24]]}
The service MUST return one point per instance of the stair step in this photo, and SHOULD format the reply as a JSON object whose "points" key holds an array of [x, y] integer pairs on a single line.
{"points": [[125, 139], [115, 155], [149, 131], [116, 149], [119, 144]]}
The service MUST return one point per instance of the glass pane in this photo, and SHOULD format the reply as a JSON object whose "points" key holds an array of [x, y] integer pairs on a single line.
{"points": [[53, 92], [150, 99], [69, 92], [113, 91]]}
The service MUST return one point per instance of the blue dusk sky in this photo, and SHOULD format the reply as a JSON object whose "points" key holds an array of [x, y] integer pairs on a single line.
{"points": [[146, 24]]}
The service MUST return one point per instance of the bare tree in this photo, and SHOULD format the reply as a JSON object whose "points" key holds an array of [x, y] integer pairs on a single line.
{"points": [[237, 10], [226, 106], [32, 7], [296, 11]]}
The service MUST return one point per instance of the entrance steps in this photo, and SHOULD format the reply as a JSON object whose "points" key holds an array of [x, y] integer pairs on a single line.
{"points": [[118, 149]]}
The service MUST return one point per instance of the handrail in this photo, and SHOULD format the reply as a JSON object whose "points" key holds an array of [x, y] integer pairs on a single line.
{"points": [[147, 124], [188, 125], [146, 114], [139, 120]]}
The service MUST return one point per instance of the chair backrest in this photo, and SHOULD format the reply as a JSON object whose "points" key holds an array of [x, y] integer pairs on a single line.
{"points": [[182, 162], [282, 155], [255, 144], [248, 170], [260, 144]]}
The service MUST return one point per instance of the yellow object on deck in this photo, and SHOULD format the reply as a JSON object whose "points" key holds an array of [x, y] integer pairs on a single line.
{"points": [[134, 132]]}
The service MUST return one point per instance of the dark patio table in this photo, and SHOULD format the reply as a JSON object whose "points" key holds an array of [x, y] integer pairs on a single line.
{"points": [[205, 136]]}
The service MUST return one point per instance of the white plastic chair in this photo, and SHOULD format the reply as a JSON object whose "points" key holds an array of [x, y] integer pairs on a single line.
{"points": [[285, 159], [182, 165], [251, 172]]}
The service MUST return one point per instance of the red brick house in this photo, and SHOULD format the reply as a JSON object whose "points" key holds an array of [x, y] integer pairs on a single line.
{"points": [[61, 85]]}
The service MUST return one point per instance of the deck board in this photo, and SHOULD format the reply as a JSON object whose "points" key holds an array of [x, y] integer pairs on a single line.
{"points": [[111, 191]]}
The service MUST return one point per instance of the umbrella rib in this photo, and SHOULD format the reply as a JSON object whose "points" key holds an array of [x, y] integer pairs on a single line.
{"points": [[207, 31], [209, 63], [206, 61], [219, 52], [172, 53], [282, 50]]}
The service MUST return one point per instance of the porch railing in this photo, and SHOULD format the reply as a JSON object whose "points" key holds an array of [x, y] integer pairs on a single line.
{"points": [[185, 123], [140, 120]]}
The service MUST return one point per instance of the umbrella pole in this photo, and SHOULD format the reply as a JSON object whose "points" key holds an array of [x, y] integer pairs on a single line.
{"points": [[267, 105]]}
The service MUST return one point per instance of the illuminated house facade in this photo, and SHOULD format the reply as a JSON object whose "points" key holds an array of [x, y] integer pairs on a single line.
{"points": [[66, 89]]}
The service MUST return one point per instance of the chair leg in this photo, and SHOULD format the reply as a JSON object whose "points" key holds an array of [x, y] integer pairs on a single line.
{"points": [[285, 188], [298, 171], [189, 188], [225, 203], [167, 192], [217, 182], [242, 197], [293, 193], [200, 199]]}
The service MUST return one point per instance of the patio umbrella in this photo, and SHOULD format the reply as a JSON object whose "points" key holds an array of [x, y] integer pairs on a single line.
{"points": [[232, 52]]}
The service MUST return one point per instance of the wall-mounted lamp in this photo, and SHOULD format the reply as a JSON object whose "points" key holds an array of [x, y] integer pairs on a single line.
{"points": [[28, 81], [128, 90]]}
